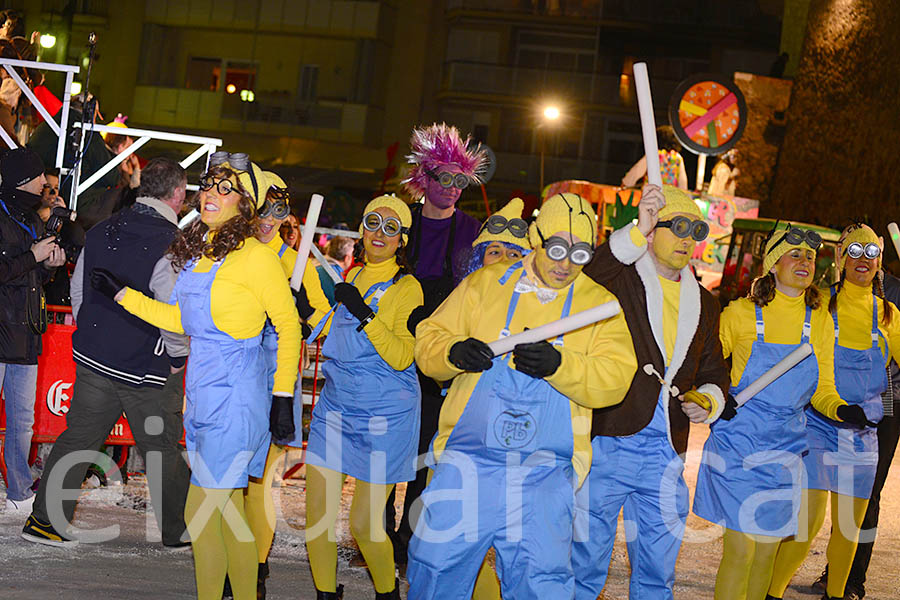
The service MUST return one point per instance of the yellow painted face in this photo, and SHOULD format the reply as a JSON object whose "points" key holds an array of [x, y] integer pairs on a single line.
{"points": [[497, 252], [380, 247], [670, 250], [556, 274], [796, 268], [216, 208]]}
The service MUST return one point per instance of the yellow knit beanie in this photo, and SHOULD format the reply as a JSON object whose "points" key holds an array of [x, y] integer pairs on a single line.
{"points": [[864, 235], [512, 210], [565, 212], [678, 201], [773, 252], [394, 203]]}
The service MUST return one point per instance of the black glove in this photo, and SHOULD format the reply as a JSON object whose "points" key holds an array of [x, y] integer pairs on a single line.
{"points": [[855, 415], [177, 361], [539, 359], [106, 283], [349, 296], [730, 408], [471, 355], [419, 314], [304, 308], [305, 330], [281, 418]]}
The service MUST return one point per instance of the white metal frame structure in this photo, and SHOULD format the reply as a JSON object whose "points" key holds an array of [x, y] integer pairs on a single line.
{"points": [[60, 128], [142, 136]]}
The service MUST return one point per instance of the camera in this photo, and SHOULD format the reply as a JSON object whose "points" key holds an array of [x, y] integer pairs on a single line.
{"points": [[58, 217], [61, 216]]}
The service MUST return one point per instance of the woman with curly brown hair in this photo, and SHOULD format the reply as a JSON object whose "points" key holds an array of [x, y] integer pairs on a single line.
{"points": [[751, 472], [229, 283]]}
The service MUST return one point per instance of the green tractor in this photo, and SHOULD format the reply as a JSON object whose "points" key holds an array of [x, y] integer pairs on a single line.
{"points": [[743, 263]]}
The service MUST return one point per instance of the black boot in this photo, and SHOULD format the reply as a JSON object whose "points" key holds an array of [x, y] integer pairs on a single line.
{"points": [[261, 575], [392, 595], [338, 595]]}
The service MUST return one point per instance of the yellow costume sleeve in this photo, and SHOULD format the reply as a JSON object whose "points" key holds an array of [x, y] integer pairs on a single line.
{"points": [[446, 326], [387, 331], [602, 376], [159, 314], [265, 278], [314, 292], [826, 399]]}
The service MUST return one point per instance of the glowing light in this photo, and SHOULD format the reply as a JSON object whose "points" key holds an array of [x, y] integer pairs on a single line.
{"points": [[248, 95], [76, 88], [551, 113], [48, 40], [231, 88]]}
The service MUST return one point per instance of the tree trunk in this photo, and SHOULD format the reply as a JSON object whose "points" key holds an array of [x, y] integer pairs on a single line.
{"points": [[840, 160]]}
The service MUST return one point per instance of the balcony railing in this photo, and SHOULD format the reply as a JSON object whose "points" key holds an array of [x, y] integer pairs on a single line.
{"points": [[500, 80], [741, 14]]}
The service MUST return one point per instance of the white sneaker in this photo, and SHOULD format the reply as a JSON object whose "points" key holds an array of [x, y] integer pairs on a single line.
{"points": [[20, 506]]}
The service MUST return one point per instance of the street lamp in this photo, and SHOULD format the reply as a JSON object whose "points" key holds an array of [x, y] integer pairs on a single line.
{"points": [[551, 115], [48, 40]]}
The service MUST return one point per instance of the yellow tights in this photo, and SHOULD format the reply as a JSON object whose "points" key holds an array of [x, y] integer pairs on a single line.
{"points": [[222, 542], [323, 505], [259, 504], [746, 566], [841, 544]]}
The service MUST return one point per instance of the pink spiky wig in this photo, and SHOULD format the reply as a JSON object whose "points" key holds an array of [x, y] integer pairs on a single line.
{"points": [[438, 145]]}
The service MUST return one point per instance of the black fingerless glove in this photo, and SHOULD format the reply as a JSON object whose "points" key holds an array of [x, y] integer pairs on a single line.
{"points": [[855, 415], [281, 417], [419, 314], [304, 308], [538, 360], [106, 283], [471, 355], [349, 296]]}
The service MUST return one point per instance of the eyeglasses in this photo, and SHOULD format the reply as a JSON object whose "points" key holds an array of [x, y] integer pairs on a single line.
{"points": [[796, 236], [389, 226], [223, 186], [683, 227], [857, 250], [278, 209], [448, 180], [498, 224], [559, 249]]}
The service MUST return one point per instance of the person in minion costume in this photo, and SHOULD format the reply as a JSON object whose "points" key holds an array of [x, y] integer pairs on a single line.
{"points": [[312, 305], [843, 454], [674, 322], [750, 474], [513, 442], [229, 284], [503, 237], [366, 421]]}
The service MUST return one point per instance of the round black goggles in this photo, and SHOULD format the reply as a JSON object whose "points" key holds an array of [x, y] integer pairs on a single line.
{"points": [[796, 236], [449, 180], [683, 227], [857, 250], [498, 224], [389, 226], [559, 249], [279, 209]]}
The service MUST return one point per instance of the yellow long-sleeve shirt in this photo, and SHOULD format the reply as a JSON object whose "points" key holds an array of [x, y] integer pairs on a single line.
{"points": [[249, 285], [311, 281], [783, 319], [854, 311], [387, 331], [598, 362]]}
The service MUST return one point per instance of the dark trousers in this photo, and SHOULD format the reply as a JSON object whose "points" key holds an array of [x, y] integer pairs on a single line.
{"points": [[97, 404], [888, 434], [431, 411]]}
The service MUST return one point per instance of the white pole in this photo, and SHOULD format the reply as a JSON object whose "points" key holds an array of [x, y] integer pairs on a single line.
{"points": [[556, 328], [895, 236], [648, 122], [306, 241], [701, 172]]}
